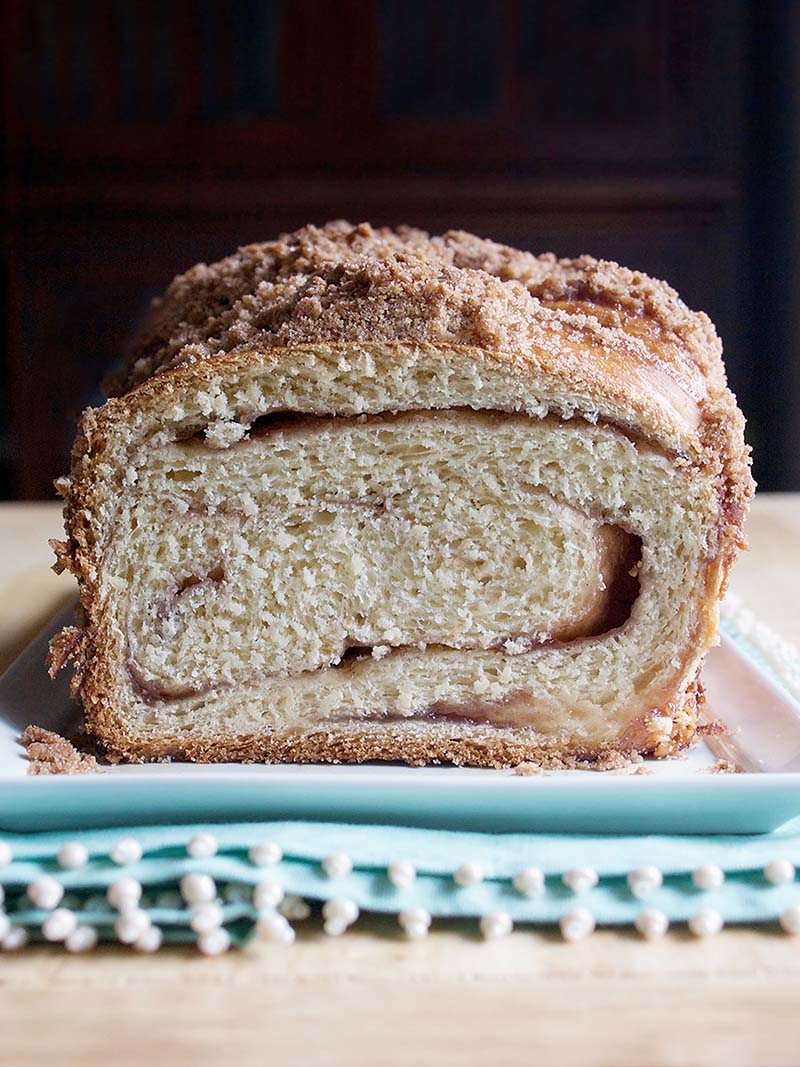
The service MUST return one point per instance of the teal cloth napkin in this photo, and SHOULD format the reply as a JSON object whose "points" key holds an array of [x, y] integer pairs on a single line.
{"points": [[745, 896]]}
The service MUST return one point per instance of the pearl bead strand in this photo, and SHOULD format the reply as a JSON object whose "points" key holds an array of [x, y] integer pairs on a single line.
{"points": [[202, 846], [495, 925], [707, 877], [337, 865], [127, 850], [644, 881], [339, 913], [576, 924], [580, 880], [72, 856], [415, 923], [706, 923], [401, 873], [779, 872], [467, 875]]}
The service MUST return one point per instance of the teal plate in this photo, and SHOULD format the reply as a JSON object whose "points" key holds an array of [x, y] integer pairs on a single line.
{"points": [[666, 796]]}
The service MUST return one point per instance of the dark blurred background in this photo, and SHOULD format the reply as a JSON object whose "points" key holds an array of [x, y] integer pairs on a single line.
{"points": [[144, 136]]}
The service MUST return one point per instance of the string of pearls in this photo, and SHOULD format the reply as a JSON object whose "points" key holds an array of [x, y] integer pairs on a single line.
{"points": [[415, 923], [339, 914]]}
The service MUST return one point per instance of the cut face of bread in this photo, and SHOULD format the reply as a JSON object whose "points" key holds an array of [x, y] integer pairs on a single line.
{"points": [[415, 548], [304, 548]]}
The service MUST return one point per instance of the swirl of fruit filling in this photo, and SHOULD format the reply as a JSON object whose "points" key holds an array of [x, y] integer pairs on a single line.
{"points": [[335, 543]]}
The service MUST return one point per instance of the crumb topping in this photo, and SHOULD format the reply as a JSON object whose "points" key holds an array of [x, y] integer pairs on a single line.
{"points": [[50, 753], [341, 282]]}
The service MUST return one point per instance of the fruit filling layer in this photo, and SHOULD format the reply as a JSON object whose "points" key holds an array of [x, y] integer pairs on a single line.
{"points": [[317, 543]]}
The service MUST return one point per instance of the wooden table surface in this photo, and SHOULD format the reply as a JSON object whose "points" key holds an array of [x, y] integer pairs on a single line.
{"points": [[370, 997]]}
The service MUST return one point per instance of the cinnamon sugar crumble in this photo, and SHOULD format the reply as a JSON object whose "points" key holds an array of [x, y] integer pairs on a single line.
{"points": [[345, 282], [722, 766], [716, 728], [529, 769], [50, 753], [613, 760]]}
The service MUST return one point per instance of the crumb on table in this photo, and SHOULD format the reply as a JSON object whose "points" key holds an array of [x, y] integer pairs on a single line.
{"points": [[722, 766], [612, 760]]}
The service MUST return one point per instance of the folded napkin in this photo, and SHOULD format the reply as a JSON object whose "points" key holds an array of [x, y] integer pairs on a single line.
{"points": [[272, 869], [216, 884]]}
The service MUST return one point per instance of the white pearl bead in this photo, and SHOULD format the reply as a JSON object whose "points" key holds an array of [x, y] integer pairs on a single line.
{"points": [[652, 924], [14, 940], [415, 923], [6, 855], [45, 892], [73, 855], [295, 908], [206, 917], [124, 893], [237, 893], [265, 854], [415, 931], [337, 865], [201, 846], [126, 850], [779, 872], [706, 922], [529, 882], [5, 925], [414, 915], [790, 919], [130, 925], [339, 913], [274, 927], [708, 876], [468, 874], [214, 942], [267, 895], [82, 939], [576, 924], [59, 924], [150, 940], [401, 873], [580, 879], [644, 881], [340, 908], [495, 925], [198, 888], [334, 927]]}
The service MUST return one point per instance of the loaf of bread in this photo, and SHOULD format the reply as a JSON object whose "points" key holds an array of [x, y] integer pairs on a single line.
{"points": [[368, 494]]}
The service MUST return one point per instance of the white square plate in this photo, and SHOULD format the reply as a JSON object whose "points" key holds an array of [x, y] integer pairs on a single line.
{"points": [[674, 796]]}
